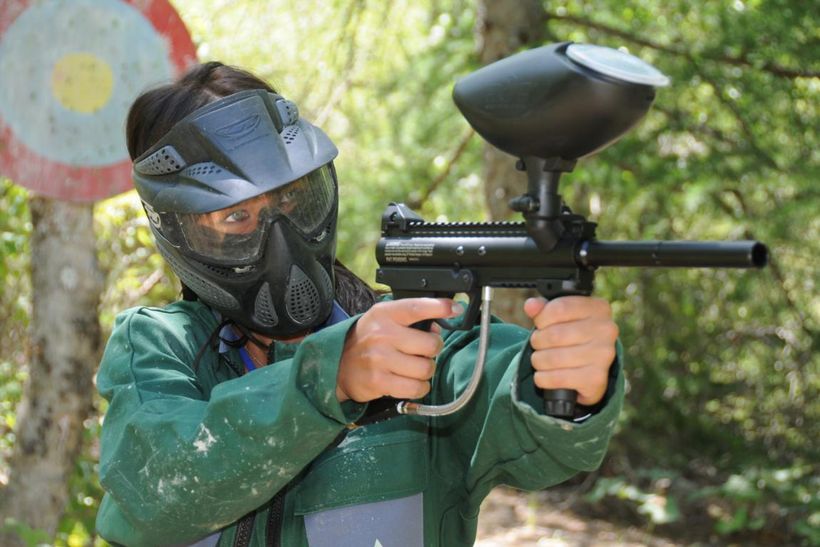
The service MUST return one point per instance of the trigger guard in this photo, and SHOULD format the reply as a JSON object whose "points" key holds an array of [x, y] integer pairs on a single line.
{"points": [[448, 324], [470, 317], [550, 289]]}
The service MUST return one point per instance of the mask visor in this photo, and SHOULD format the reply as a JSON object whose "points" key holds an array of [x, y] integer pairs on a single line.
{"points": [[237, 234]]}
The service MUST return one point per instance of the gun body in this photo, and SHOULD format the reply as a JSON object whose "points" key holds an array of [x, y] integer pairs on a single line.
{"points": [[420, 258]]}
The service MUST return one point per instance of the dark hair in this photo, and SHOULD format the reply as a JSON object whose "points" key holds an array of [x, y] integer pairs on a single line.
{"points": [[156, 111]]}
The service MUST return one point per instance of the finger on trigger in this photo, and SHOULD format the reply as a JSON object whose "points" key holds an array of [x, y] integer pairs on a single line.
{"points": [[413, 310]]}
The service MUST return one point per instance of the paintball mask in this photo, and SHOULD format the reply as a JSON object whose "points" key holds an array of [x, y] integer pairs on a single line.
{"points": [[242, 199]]}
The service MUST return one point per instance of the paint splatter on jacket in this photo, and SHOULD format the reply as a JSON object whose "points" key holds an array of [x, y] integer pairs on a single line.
{"points": [[187, 453]]}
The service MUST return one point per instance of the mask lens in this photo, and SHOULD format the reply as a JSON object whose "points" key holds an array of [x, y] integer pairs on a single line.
{"points": [[236, 233], [306, 201], [233, 234]]}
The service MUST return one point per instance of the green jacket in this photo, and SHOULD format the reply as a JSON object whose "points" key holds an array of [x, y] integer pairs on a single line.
{"points": [[186, 453]]}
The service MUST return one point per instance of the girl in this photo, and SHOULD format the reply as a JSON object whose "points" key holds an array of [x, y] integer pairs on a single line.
{"points": [[248, 412]]}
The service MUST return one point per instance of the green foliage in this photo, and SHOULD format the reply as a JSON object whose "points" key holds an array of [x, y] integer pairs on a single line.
{"points": [[722, 364], [135, 272], [377, 77], [795, 492], [15, 308], [77, 526], [11, 390], [738, 506], [723, 358], [30, 536], [15, 290], [657, 506]]}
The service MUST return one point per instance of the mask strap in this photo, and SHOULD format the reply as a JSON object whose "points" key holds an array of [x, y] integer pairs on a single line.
{"points": [[210, 342], [248, 336]]}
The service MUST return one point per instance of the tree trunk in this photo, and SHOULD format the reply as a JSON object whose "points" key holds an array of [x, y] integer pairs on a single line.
{"points": [[502, 28], [66, 288]]}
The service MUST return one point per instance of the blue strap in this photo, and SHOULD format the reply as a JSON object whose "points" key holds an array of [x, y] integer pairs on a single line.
{"points": [[246, 358], [337, 314]]}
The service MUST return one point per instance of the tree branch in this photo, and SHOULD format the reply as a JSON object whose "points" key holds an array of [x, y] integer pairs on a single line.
{"points": [[747, 130], [134, 296], [677, 116], [771, 68], [350, 36], [773, 265], [462, 145], [750, 141]]}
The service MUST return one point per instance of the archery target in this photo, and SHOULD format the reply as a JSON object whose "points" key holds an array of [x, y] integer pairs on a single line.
{"points": [[70, 70]]}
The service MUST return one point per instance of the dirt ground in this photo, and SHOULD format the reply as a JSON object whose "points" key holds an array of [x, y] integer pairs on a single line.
{"points": [[511, 518]]}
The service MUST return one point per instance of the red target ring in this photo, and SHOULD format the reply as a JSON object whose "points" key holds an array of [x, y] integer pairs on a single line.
{"points": [[62, 118]]}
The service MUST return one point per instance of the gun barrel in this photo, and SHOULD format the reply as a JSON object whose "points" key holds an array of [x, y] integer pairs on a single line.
{"points": [[672, 254], [516, 251]]}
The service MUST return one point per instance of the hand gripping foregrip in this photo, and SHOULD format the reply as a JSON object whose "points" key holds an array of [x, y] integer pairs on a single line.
{"points": [[560, 403]]}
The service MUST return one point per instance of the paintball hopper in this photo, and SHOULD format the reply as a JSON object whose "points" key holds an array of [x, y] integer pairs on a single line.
{"points": [[550, 106], [558, 101]]}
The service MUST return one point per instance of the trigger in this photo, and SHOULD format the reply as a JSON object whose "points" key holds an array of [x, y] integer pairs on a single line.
{"points": [[469, 318]]}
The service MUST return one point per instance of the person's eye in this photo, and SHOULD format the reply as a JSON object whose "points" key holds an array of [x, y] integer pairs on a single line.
{"points": [[240, 215], [289, 200]]}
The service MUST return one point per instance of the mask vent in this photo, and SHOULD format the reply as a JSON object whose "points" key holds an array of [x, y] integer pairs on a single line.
{"points": [[290, 133], [288, 112], [164, 161], [207, 291], [221, 271], [202, 170], [302, 298], [264, 310]]}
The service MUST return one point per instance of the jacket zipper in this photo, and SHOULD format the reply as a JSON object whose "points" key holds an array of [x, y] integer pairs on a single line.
{"points": [[276, 514], [244, 530], [273, 531]]}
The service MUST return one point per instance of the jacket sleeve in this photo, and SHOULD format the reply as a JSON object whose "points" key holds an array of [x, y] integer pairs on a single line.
{"points": [[179, 461], [503, 436]]}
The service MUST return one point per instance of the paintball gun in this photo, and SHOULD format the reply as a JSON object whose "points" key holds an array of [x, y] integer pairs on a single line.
{"points": [[548, 107]]}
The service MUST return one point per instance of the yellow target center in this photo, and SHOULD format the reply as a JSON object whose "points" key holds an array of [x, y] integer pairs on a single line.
{"points": [[82, 82]]}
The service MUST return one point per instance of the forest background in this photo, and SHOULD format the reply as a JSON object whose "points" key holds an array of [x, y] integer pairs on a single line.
{"points": [[717, 443]]}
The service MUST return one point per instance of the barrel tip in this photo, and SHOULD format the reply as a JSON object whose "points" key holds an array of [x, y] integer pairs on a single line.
{"points": [[760, 255]]}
